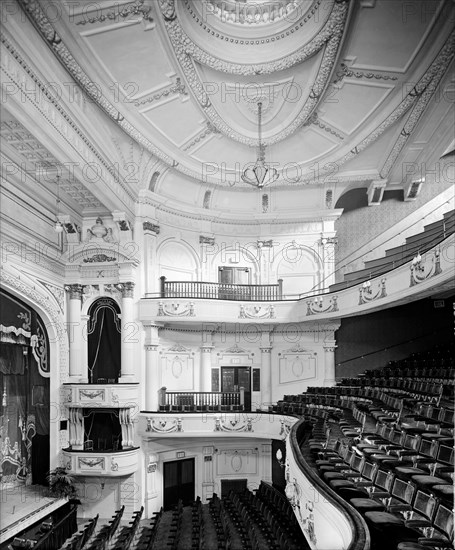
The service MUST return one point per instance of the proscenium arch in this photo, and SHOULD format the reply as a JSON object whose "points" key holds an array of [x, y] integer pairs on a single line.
{"points": [[54, 324]]}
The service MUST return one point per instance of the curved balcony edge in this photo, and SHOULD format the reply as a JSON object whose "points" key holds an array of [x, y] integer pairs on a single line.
{"points": [[327, 520]]}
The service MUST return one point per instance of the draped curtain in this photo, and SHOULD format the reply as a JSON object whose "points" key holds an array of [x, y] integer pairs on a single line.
{"points": [[24, 383], [104, 341]]}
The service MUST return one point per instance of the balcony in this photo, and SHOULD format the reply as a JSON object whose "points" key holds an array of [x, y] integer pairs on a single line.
{"points": [[101, 395], [201, 401], [220, 291], [99, 463]]}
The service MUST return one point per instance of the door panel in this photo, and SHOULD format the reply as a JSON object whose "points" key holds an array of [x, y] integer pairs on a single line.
{"points": [[178, 482], [232, 378]]}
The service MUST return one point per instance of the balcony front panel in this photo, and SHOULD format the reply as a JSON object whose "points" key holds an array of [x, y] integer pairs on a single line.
{"points": [[115, 464], [101, 395], [257, 424]]}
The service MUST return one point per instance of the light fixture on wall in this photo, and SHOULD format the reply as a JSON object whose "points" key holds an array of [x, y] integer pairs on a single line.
{"points": [[58, 227], [417, 263], [261, 174], [279, 457]]}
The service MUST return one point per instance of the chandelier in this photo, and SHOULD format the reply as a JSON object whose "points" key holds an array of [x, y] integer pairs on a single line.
{"points": [[261, 173]]}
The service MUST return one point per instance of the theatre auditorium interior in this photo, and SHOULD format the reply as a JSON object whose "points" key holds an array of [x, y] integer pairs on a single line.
{"points": [[227, 274]]}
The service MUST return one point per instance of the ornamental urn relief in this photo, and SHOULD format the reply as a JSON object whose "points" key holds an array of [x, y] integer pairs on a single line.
{"points": [[99, 231]]}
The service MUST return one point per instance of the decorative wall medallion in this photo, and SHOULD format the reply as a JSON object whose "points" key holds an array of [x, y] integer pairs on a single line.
{"points": [[317, 305], [114, 465], [176, 309], [431, 267], [91, 462], [257, 312], [164, 426], [236, 463], [177, 367], [151, 468], [366, 294]]}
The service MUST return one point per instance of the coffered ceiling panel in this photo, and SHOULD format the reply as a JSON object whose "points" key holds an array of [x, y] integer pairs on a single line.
{"points": [[125, 51], [353, 103]]}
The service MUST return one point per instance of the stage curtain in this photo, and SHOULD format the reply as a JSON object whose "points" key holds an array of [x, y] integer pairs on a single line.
{"points": [[24, 408]]}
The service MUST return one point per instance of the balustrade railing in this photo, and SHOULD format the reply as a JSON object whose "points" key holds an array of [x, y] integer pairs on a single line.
{"points": [[201, 401], [220, 291]]}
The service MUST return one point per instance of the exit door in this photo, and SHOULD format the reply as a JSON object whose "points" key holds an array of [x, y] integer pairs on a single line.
{"points": [[178, 482], [233, 378]]}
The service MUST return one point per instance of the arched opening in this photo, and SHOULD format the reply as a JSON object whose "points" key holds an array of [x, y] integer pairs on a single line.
{"points": [[24, 381], [104, 332], [153, 181]]}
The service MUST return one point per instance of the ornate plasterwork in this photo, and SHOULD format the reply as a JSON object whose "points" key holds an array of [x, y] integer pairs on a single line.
{"points": [[234, 425], [344, 71], [176, 88], [137, 8], [164, 426], [430, 268], [317, 306], [329, 38], [57, 292], [209, 130], [366, 294], [176, 309], [185, 46], [257, 312], [229, 12]]}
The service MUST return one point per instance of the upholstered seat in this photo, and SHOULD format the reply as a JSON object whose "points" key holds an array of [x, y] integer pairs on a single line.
{"points": [[363, 505], [428, 481], [406, 472]]}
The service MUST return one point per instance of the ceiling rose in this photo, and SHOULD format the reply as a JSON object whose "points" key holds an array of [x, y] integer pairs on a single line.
{"points": [[251, 12]]}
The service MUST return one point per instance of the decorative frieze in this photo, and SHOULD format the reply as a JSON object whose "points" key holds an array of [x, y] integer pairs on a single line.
{"points": [[126, 289], [176, 309], [256, 312], [163, 426], [233, 425], [367, 295], [422, 271], [317, 305]]}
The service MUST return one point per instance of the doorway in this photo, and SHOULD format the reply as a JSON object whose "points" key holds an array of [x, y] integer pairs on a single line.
{"points": [[229, 279], [178, 482], [232, 378]]}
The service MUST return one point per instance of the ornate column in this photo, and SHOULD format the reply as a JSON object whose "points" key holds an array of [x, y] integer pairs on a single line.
{"points": [[128, 332], [152, 368], [329, 363], [75, 332], [205, 380], [151, 231], [266, 375]]}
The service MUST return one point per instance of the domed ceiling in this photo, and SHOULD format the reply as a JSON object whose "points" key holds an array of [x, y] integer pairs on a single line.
{"points": [[349, 89]]}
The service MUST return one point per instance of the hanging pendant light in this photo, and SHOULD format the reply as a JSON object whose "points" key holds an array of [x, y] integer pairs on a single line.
{"points": [[261, 174]]}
